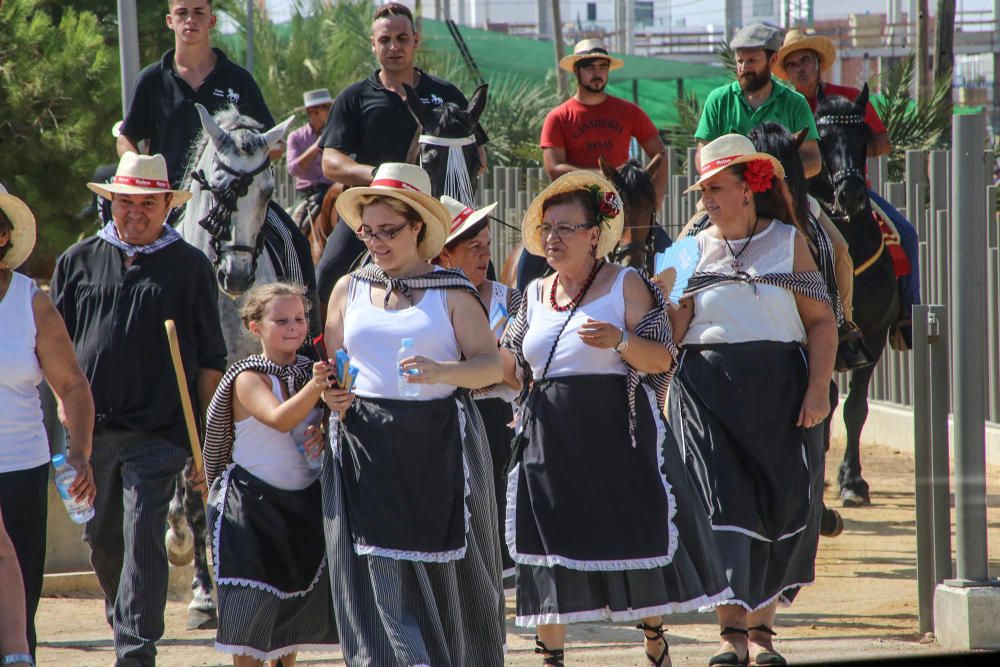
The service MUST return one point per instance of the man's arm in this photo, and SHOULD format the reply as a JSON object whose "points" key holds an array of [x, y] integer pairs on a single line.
{"points": [[879, 145], [812, 160], [697, 155], [653, 147], [554, 160], [207, 380], [299, 159], [341, 168], [123, 145]]}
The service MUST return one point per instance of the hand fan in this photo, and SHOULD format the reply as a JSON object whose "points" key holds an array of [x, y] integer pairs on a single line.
{"points": [[674, 267]]}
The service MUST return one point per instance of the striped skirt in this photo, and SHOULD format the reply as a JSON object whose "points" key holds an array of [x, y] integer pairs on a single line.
{"points": [[391, 611]]}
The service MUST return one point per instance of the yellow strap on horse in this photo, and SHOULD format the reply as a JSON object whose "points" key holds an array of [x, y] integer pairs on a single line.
{"points": [[858, 270]]}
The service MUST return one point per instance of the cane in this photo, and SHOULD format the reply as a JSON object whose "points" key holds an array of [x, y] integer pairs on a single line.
{"points": [[175, 355]]}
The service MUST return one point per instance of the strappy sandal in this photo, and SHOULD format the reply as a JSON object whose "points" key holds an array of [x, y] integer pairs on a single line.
{"points": [[657, 634], [552, 657], [730, 658], [767, 658]]}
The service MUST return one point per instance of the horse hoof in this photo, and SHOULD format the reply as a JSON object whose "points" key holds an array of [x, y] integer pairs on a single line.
{"points": [[202, 619], [851, 498], [180, 547], [831, 524]]}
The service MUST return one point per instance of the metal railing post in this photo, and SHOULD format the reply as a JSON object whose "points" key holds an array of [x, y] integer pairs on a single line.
{"points": [[922, 473], [940, 394]]}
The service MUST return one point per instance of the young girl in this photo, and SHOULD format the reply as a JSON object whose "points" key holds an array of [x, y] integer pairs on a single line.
{"points": [[264, 503]]}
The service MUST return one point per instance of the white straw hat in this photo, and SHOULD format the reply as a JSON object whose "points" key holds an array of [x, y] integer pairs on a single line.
{"points": [[22, 236], [611, 227], [590, 48], [727, 150], [411, 185], [463, 218], [141, 175], [315, 98]]}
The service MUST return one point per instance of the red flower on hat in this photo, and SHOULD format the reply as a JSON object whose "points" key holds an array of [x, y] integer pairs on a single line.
{"points": [[610, 205], [759, 175]]}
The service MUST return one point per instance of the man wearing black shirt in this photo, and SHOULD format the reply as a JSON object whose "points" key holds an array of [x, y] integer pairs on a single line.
{"points": [[114, 290], [370, 124]]}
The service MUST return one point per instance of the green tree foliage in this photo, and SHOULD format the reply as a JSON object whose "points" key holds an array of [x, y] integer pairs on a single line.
{"points": [[681, 136], [154, 38], [58, 100]]}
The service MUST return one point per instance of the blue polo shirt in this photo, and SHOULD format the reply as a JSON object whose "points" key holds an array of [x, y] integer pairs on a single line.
{"points": [[726, 111]]}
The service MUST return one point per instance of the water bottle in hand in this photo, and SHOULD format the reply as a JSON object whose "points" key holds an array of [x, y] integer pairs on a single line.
{"points": [[299, 436], [79, 512], [405, 388]]}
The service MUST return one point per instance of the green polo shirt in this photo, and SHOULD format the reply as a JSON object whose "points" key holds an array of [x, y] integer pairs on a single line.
{"points": [[726, 111]]}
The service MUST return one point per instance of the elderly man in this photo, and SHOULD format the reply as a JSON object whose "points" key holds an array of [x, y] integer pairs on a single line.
{"points": [[115, 290], [370, 124], [757, 96], [801, 60]]}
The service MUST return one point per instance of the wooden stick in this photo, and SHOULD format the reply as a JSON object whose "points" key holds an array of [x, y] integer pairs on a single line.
{"points": [[175, 355]]}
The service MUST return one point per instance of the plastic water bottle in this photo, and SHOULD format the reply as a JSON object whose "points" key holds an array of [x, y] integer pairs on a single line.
{"points": [[403, 387], [299, 436], [79, 512]]}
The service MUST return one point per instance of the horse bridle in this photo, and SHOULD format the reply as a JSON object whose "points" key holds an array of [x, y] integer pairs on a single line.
{"points": [[218, 222], [841, 176]]}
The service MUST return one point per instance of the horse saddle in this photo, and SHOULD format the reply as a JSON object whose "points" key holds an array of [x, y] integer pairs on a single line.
{"points": [[890, 237]]}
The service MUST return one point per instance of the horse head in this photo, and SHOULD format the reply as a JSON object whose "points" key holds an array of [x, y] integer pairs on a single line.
{"points": [[635, 185], [232, 183], [843, 140], [446, 146]]}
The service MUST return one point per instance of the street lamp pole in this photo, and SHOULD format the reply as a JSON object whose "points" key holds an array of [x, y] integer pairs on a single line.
{"points": [[128, 50]]}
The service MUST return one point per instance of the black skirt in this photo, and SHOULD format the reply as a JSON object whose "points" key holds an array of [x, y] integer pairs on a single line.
{"points": [[497, 415], [270, 567], [734, 408], [583, 506]]}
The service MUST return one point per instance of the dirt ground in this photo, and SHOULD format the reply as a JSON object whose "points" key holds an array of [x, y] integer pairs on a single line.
{"points": [[862, 605]]}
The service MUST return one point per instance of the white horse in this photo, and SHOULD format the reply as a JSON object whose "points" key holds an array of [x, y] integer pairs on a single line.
{"points": [[232, 183]]}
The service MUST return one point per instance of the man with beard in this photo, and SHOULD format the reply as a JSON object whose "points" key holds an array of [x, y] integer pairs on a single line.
{"points": [[592, 123], [756, 96]]}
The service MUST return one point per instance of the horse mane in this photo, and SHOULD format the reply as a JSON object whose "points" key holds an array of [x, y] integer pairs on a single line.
{"points": [[772, 138], [636, 183], [841, 106], [242, 136]]}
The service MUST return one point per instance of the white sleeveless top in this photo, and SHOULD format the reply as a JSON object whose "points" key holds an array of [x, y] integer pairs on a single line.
{"points": [[572, 355], [23, 444], [270, 455], [373, 336], [734, 313]]}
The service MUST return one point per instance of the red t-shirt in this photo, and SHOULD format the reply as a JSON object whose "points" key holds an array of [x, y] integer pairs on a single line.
{"points": [[871, 117], [587, 132]]}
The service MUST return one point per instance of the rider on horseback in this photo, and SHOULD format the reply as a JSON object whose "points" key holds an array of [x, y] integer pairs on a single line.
{"points": [[305, 155]]}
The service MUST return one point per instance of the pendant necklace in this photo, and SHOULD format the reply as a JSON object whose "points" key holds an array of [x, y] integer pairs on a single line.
{"points": [[735, 262]]}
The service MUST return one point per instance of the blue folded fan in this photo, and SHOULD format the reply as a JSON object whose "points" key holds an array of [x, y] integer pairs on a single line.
{"points": [[675, 266]]}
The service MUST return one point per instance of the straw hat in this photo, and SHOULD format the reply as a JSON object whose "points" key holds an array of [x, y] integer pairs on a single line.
{"points": [[411, 185], [141, 175], [315, 98], [796, 40], [590, 48], [611, 228], [727, 150], [22, 236], [463, 218]]}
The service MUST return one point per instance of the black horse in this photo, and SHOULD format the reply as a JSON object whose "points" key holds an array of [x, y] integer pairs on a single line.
{"points": [[841, 189]]}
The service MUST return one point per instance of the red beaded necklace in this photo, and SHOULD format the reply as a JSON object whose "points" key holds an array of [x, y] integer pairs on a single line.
{"points": [[583, 291]]}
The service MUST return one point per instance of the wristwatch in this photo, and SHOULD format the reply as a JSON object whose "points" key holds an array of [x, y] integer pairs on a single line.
{"points": [[17, 659], [622, 344]]}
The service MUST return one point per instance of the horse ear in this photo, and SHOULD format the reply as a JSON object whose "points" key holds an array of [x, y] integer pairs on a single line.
{"points": [[419, 110], [654, 165], [278, 132], [862, 102], [215, 133], [799, 138], [820, 94], [609, 172], [477, 103]]}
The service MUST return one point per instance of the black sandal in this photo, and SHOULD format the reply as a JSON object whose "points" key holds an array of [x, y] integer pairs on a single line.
{"points": [[657, 634], [730, 658], [767, 658], [553, 657]]}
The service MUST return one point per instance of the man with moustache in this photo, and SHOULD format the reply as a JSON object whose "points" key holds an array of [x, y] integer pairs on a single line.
{"points": [[756, 96], [593, 124]]}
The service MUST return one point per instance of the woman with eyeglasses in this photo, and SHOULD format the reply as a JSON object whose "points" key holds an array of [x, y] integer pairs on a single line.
{"points": [[602, 521], [409, 512]]}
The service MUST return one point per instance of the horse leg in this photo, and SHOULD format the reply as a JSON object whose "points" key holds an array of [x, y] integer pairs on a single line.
{"points": [[831, 524], [180, 541], [201, 611], [853, 487]]}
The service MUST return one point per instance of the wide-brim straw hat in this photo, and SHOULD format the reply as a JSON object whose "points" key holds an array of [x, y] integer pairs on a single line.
{"points": [[22, 236], [411, 185], [463, 218], [611, 228], [727, 150], [796, 40], [590, 48], [141, 175], [315, 98]]}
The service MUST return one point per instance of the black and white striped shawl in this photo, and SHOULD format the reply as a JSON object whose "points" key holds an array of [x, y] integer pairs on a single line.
{"points": [[220, 431], [439, 279], [654, 326], [513, 306], [806, 283]]}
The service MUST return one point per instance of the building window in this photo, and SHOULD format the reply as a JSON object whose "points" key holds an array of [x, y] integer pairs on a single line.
{"points": [[643, 13], [591, 11]]}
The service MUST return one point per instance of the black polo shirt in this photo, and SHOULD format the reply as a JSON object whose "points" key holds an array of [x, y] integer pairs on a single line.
{"points": [[373, 124], [163, 112], [115, 318]]}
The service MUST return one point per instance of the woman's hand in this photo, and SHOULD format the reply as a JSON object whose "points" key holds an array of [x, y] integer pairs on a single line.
{"points": [[338, 399], [83, 488], [600, 334], [314, 442], [321, 379], [815, 406], [421, 370], [196, 478]]}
